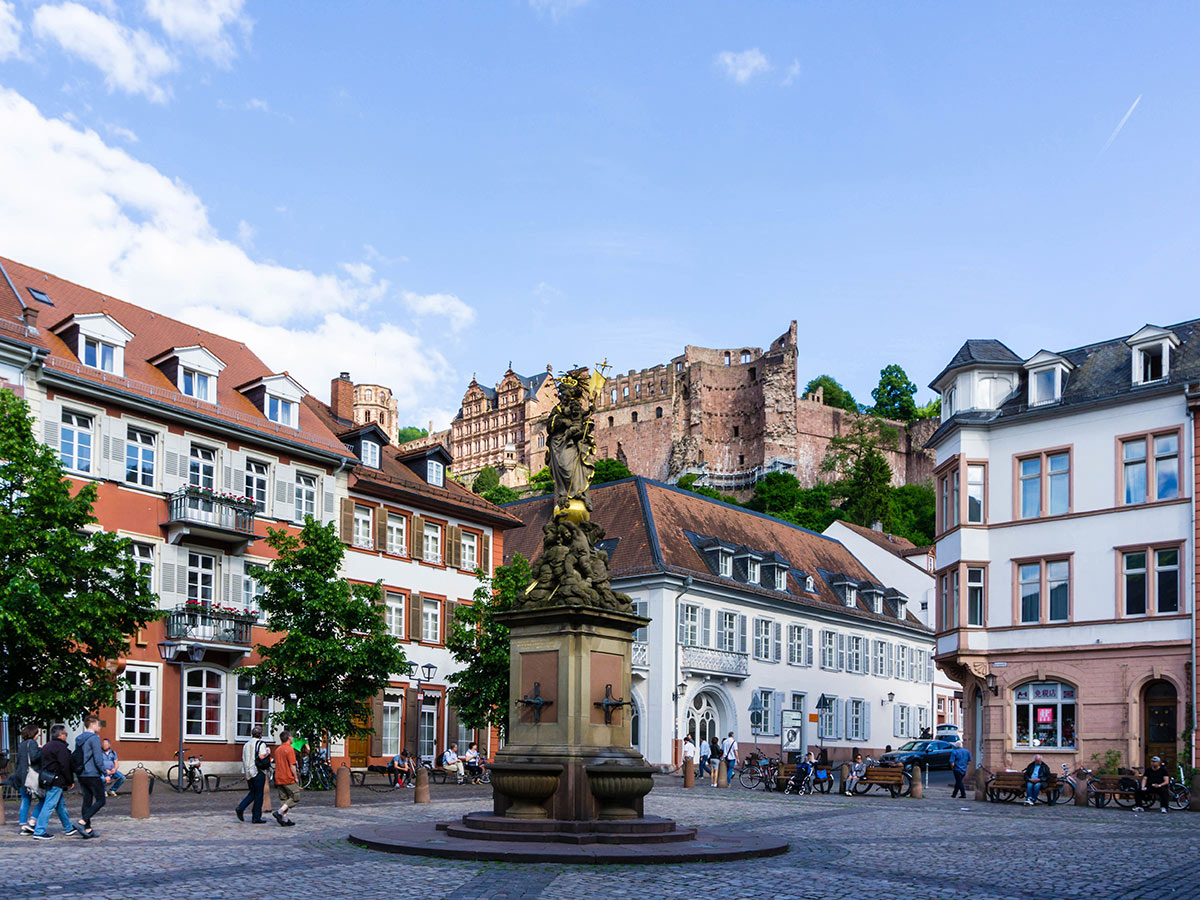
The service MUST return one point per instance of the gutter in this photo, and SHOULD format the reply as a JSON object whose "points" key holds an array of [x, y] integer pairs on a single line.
{"points": [[1193, 401]]}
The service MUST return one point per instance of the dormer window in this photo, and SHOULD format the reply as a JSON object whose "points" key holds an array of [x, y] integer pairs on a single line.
{"points": [[278, 396], [98, 340], [1151, 363], [193, 370], [753, 573], [1044, 387], [1047, 375], [436, 473], [281, 411], [725, 564], [1151, 351], [876, 603], [99, 355], [780, 578], [810, 586], [851, 596], [370, 454], [196, 384]]}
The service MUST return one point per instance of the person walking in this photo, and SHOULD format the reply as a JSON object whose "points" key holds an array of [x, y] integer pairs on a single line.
{"points": [[729, 752], [689, 752], [56, 762], [285, 779], [113, 776], [256, 763], [91, 764], [29, 756], [960, 758], [705, 756]]}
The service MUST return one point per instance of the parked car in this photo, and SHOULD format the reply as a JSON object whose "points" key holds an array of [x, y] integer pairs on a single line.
{"points": [[947, 732], [930, 754]]}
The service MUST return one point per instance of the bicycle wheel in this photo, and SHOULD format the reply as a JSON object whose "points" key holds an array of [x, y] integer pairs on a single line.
{"points": [[196, 780], [1180, 797], [486, 776], [173, 778], [825, 786], [1095, 797], [1125, 801], [906, 786], [1065, 793], [750, 777]]}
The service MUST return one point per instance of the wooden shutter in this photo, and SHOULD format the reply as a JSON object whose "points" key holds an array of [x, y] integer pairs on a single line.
{"points": [[347, 520], [411, 717], [414, 616], [485, 554], [447, 618], [452, 727], [327, 486], [51, 421], [452, 551], [416, 540], [377, 724], [380, 528]]}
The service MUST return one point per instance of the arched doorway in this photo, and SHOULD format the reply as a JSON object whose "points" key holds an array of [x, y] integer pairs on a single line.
{"points": [[1160, 720], [703, 718]]}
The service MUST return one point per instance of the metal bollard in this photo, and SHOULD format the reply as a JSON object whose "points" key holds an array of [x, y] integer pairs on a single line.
{"points": [[342, 799], [139, 803], [722, 773], [689, 773], [421, 794], [918, 790]]}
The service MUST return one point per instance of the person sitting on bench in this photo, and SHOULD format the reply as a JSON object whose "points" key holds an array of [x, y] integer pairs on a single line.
{"points": [[451, 762], [472, 762], [1037, 776], [401, 768], [857, 770], [1154, 786]]}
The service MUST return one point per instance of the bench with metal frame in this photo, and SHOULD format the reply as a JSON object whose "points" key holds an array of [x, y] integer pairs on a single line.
{"points": [[894, 779], [1004, 787]]}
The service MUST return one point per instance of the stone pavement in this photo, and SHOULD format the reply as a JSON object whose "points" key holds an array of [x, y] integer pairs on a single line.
{"points": [[842, 849]]}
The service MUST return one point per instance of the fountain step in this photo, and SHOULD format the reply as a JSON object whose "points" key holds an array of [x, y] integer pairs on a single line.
{"points": [[486, 821], [565, 837]]}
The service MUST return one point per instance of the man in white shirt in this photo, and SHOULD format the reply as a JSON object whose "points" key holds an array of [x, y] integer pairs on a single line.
{"points": [[689, 752], [451, 762], [729, 750], [256, 762]]}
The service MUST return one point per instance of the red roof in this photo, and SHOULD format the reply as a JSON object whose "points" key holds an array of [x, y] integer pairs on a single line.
{"points": [[153, 335], [892, 543]]}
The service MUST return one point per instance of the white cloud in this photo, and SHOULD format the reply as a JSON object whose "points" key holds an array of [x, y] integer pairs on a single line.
{"points": [[94, 214], [131, 60], [743, 66], [201, 24], [458, 314], [10, 31], [557, 8], [119, 131], [256, 105], [246, 234], [793, 73]]}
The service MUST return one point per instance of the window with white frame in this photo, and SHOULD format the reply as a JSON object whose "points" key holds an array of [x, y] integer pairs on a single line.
{"points": [[393, 710], [796, 645], [827, 720], [281, 411], [780, 578], [139, 702], [798, 701], [99, 355], [904, 720], [306, 495], [469, 551], [1166, 466], [856, 720], [856, 657], [641, 608], [766, 722], [394, 614], [432, 548], [762, 639], [727, 627], [75, 441], [204, 703], [976, 483], [252, 709], [753, 572], [256, 483], [689, 624], [362, 527], [902, 662], [143, 562], [201, 577], [202, 474], [436, 472], [370, 454], [252, 588], [1043, 386], [197, 384], [828, 650], [810, 586], [397, 535], [880, 653], [139, 457], [725, 562], [431, 621], [975, 596]]}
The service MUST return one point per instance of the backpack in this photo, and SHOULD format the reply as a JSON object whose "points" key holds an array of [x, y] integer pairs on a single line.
{"points": [[261, 763], [77, 759]]}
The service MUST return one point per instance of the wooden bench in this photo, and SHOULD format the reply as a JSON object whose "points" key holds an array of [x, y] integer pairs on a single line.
{"points": [[892, 779], [1103, 788], [1008, 786], [787, 770]]}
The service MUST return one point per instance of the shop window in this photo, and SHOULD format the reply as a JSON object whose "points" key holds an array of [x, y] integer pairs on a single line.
{"points": [[1044, 715]]}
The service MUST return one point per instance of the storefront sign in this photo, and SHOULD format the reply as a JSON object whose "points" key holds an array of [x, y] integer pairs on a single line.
{"points": [[1045, 715]]}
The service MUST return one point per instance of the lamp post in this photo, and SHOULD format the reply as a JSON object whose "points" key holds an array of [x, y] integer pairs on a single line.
{"points": [[169, 651], [423, 676]]}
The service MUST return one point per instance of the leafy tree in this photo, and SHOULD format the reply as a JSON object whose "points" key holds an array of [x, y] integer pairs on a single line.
{"points": [[336, 652], [814, 509], [69, 597], [410, 433], [776, 494], [501, 494], [610, 470], [834, 395], [487, 479], [865, 434], [931, 410], [894, 395], [868, 489], [479, 644], [542, 481], [913, 513]]}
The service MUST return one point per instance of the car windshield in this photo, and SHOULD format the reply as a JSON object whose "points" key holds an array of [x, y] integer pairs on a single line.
{"points": [[915, 745]]}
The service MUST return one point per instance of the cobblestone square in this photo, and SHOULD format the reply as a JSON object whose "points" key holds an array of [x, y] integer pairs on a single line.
{"points": [[841, 848]]}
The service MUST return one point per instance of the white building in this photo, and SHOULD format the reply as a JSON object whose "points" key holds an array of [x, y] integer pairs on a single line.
{"points": [[744, 607]]}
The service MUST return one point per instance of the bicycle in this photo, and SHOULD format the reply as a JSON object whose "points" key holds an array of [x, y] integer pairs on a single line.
{"points": [[316, 774], [1064, 792], [193, 778], [757, 771]]}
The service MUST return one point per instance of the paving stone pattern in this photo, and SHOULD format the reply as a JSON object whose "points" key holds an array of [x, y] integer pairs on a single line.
{"points": [[842, 849]]}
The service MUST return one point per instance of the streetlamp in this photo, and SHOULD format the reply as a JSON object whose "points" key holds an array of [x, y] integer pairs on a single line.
{"points": [[676, 695], [425, 675], [990, 681], [169, 651]]}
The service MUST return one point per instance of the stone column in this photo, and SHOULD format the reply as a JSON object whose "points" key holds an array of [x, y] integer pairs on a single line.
{"points": [[722, 773], [139, 803], [1081, 793], [689, 773], [421, 793], [918, 789], [981, 779], [342, 800]]}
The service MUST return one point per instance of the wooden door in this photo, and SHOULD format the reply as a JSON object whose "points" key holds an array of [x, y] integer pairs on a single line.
{"points": [[357, 749], [1161, 723]]}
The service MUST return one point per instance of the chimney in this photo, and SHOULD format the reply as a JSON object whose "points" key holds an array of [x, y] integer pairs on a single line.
{"points": [[341, 397], [30, 315], [877, 525]]}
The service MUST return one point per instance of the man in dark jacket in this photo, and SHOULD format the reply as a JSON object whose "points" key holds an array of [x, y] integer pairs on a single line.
{"points": [[91, 776], [1037, 775], [56, 760], [1156, 784]]}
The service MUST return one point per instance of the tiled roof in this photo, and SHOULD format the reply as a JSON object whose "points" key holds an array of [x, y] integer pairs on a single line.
{"points": [[651, 523], [980, 351], [155, 334], [893, 543]]}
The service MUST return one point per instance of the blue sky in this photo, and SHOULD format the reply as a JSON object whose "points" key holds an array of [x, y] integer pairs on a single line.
{"points": [[416, 192]]}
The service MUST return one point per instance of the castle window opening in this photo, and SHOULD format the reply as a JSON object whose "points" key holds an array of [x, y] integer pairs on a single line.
{"points": [[625, 392], [614, 395], [745, 356], [633, 416], [678, 367], [637, 390], [728, 358], [658, 412], [753, 373], [741, 459], [610, 421], [735, 431]]}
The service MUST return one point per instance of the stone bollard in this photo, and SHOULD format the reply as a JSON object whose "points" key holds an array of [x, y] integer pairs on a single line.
{"points": [[139, 801], [3, 820], [342, 799], [843, 776], [722, 773], [421, 794], [689, 773], [981, 779], [267, 794], [1081, 793], [918, 789], [1194, 805]]}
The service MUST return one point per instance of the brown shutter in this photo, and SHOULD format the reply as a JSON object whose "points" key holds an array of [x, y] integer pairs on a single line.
{"points": [[448, 617], [411, 718], [485, 555], [416, 539], [414, 617], [381, 529], [347, 520], [452, 727], [377, 724], [454, 546]]}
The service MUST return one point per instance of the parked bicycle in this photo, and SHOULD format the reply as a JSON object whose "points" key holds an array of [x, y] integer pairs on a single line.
{"points": [[316, 774], [1065, 789], [193, 777], [759, 770]]}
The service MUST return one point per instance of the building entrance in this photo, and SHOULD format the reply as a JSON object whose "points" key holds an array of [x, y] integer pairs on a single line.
{"points": [[702, 720], [1161, 705]]}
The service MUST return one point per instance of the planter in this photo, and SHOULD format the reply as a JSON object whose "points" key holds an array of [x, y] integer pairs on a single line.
{"points": [[618, 788], [527, 786]]}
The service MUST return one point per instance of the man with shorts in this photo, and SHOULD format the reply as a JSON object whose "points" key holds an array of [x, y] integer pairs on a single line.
{"points": [[286, 786]]}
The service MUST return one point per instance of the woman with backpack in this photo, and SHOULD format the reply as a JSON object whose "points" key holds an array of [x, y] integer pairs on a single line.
{"points": [[29, 758]]}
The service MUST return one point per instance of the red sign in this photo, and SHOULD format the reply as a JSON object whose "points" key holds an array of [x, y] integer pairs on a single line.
{"points": [[1045, 715]]}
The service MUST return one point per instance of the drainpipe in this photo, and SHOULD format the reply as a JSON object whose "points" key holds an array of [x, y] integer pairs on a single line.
{"points": [[1193, 401], [687, 584]]}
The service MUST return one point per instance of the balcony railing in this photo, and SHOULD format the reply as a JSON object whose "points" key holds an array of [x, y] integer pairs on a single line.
{"points": [[211, 512], [641, 655], [708, 661], [202, 623]]}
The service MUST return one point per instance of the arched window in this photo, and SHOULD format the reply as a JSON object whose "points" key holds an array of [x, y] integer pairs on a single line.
{"points": [[610, 421], [633, 416], [614, 395], [658, 412], [368, 395], [1044, 715], [204, 701], [727, 358], [703, 721]]}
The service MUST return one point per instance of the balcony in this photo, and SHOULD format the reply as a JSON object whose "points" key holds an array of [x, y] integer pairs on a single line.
{"points": [[710, 663], [194, 512], [218, 628], [641, 655]]}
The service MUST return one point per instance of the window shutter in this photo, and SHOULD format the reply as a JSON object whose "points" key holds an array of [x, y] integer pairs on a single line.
{"points": [[896, 719], [414, 616], [808, 646], [416, 540], [777, 714], [485, 554], [913, 674], [51, 417], [347, 517], [453, 552], [447, 618], [887, 654], [411, 716], [114, 450], [327, 485], [377, 724], [227, 475], [841, 652], [452, 728], [839, 719], [706, 627], [285, 496], [741, 634], [929, 667], [682, 628], [380, 528], [866, 721], [777, 643]]}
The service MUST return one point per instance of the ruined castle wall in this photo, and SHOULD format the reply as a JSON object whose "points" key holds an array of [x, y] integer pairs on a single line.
{"points": [[817, 423]]}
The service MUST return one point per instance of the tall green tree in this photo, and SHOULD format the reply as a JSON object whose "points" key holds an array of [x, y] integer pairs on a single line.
{"points": [[410, 433], [610, 470], [846, 450], [894, 395], [867, 490], [487, 479], [931, 410], [336, 652], [479, 644], [913, 512], [501, 494], [70, 597], [776, 494], [542, 481], [815, 510], [834, 394]]}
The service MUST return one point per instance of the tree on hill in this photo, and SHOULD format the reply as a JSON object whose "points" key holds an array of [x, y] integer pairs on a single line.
{"points": [[931, 410], [542, 481], [913, 513], [834, 394], [775, 494], [865, 434], [688, 483], [487, 479], [867, 490], [336, 653], [609, 470], [479, 644], [500, 494], [894, 395], [70, 597], [410, 433]]}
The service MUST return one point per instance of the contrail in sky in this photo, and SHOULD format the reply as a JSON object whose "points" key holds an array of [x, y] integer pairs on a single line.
{"points": [[1112, 137]]}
